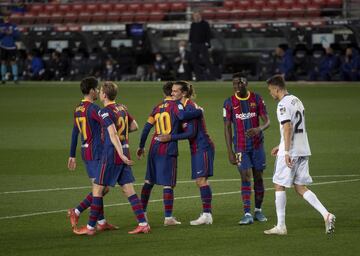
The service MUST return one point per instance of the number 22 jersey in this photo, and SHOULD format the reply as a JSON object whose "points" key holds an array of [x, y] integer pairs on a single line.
{"points": [[291, 109]]}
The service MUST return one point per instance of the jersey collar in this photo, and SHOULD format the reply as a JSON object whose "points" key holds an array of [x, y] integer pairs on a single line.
{"points": [[109, 103], [246, 98]]}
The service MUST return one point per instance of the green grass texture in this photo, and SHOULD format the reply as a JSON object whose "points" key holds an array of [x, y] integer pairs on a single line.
{"points": [[37, 188]]}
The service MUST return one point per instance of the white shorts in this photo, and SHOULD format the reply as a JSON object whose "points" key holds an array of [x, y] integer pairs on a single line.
{"points": [[298, 174]]}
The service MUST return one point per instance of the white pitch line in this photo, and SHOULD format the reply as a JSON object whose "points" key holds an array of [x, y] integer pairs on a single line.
{"points": [[140, 184], [160, 200]]}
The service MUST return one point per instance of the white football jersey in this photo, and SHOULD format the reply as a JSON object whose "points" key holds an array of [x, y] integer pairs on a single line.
{"points": [[290, 108]]}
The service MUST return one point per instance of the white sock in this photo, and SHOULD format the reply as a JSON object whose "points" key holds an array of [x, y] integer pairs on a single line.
{"points": [[280, 204], [142, 224], [77, 212], [89, 227], [101, 222], [314, 201]]}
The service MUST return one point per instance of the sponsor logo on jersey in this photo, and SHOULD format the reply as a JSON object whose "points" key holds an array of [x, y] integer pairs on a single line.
{"points": [[104, 115], [244, 116], [282, 110]]}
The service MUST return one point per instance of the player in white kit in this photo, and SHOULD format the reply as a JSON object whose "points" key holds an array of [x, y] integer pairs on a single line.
{"points": [[292, 157]]}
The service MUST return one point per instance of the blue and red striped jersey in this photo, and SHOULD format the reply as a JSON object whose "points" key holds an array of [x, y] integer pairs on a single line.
{"points": [[165, 117], [87, 123], [244, 113], [116, 114], [202, 139]]}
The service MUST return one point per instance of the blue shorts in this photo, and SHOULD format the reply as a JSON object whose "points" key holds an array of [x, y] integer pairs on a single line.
{"points": [[161, 170], [92, 168], [111, 173], [253, 159], [202, 164]]}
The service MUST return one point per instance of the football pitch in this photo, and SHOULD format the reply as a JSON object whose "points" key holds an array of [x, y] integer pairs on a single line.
{"points": [[37, 189]]}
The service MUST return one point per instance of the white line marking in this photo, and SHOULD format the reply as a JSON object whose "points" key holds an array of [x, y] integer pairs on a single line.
{"points": [[140, 184], [160, 200]]}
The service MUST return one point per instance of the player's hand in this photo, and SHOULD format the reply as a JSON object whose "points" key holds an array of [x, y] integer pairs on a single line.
{"points": [[71, 163], [274, 151], [288, 161], [199, 107], [140, 152], [127, 160], [163, 138], [252, 132], [233, 159]]}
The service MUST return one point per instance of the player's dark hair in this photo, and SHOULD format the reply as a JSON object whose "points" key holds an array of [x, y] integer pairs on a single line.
{"points": [[87, 84], [187, 88], [242, 77], [110, 89], [167, 88], [276, 80]]}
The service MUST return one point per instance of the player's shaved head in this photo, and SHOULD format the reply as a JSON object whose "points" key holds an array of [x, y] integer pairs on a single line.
{"points": [[110, 89], [87, 84], [276, 80]]}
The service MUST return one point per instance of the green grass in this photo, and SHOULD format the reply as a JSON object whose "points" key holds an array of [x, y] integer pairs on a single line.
{"points": [[35, 130]]}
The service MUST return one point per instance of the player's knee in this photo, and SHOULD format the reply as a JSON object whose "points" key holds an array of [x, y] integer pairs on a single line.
{"points": [[106, 190], [200, 182]]}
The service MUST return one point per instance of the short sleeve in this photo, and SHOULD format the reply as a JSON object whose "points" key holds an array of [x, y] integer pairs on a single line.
{"points": [[105, 118], [283, 113]]}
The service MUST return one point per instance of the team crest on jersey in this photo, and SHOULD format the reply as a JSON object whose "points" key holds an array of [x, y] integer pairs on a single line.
{"points": [[252, 105], [282, 110]]}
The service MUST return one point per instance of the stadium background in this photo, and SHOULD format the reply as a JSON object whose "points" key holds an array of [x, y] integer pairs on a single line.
{"points": [[36, 120]]}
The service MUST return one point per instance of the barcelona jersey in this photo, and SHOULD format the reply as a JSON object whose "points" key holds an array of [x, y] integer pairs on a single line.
{"points": [[116, 114], [87, 123], [201, 141], [244, 113], [165, 118]]}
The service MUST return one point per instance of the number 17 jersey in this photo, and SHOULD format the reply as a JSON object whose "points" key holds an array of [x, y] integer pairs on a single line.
{"points": [[291, 109]]}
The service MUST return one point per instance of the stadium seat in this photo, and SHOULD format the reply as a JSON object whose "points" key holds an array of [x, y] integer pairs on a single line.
{"points": [[252, 12], [92, 8], [84, 17], [267, 12], [42, 18], [64, 8], [127, 17], [164, 7], [321, 3], [78, 8], [106, 7], [35, 8], [120, 8], [208, 13], [141, 17], [178, 7], [17, 18], [134, 7], [113, 17], [243, 5], [230, 5], [156, 16], [56, 17], [148, 7], [50, 8], [70, 17], [273, 3], [334, 3], [313, 11], [99, 17], [297, 10], [222, 13], [258, 4]]}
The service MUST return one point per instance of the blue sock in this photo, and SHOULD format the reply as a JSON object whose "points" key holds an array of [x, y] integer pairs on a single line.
{"points": [[14, 69], [145, 194], [246, 194], [137, 208], [168, 197], [3, 71], [206, 197], [95, 210]]}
